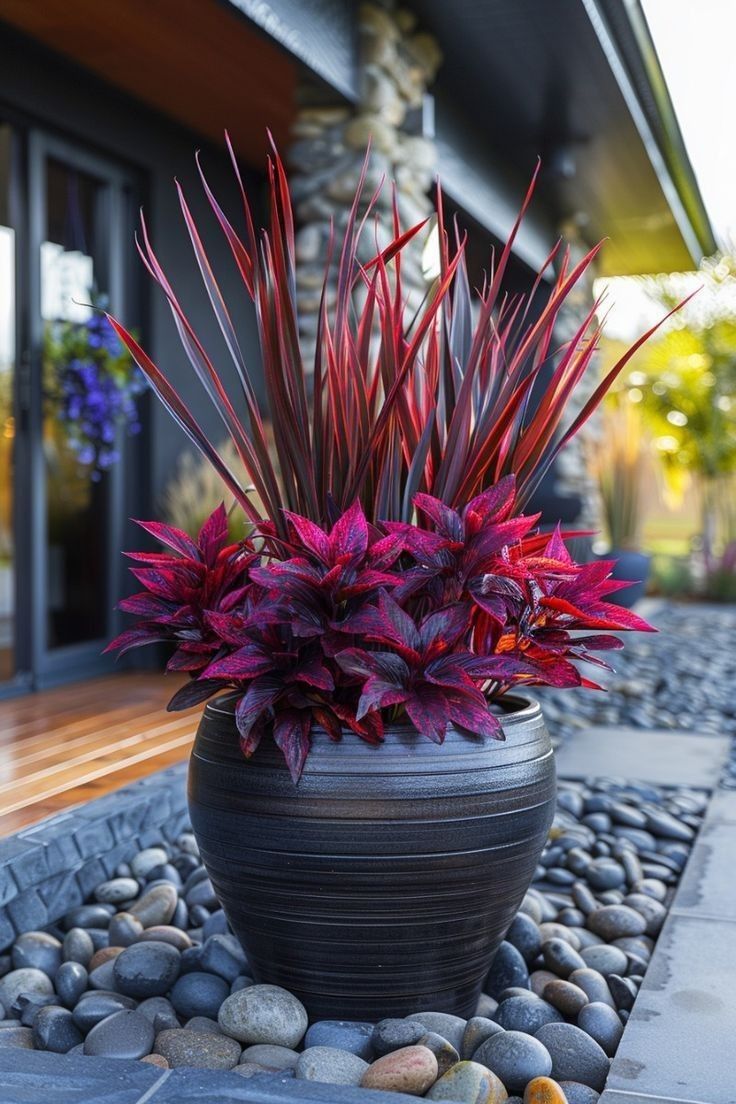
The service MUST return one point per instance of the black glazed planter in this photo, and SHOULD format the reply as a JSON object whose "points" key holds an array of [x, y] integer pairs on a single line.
{"points": [[384, 882]]}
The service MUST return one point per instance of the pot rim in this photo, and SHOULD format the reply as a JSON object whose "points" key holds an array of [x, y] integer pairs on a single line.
{"points": [[518, 707]]}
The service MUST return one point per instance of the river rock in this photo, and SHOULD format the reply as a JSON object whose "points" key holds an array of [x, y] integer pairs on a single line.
{"points": [[593, 984], [125, 1034], [664, 824], [515, 1058], [477, 1030], [575, 1055], [275, 1057], [539, 979], [37, 950], [199, 994], [508, 969], [264, 1014], [543, 1090], [330, 1066], [117, 890], [263, 1073], [614, 921], [155, 1060], [524, 935], [565, 996], [604, 958], [28, 1007], [449, 1027], [166, 933], [70, 982], [203, 1023], [468, 1083], [77, 946], [350, 1035], [55, 1030], [602, 1023], [94, 1007], [101, 956], [411, 1069], [146, 969], [25, 980], [560, 957], [223, 955], [16, 1037], [202, 894], [577, 1093], [156, 906], [124, 929], [623, 991], [526, 1013], [654, 912], [443, 1050], [198, 1049], [604, 874], [552, 930], [154, 1007], [147, 860], [87, 916]]}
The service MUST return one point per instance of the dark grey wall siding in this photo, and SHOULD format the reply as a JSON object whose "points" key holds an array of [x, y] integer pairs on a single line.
{"points": [[45, 89]]}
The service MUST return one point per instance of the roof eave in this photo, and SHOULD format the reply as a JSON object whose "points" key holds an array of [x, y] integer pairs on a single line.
{"points": [[634, 63]]}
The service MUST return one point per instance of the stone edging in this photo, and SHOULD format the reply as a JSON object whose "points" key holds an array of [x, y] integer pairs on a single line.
{"points": [[52, 866]]}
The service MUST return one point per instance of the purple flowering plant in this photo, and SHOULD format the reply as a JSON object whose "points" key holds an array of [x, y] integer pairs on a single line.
{"points": [[390, 574], [93, 384]]}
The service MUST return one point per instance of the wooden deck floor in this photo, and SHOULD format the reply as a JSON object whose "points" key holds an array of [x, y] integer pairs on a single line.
{"points": [[64, 746]]}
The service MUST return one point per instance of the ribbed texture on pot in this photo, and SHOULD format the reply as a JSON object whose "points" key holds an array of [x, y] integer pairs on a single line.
{"points": [[384, 882]]}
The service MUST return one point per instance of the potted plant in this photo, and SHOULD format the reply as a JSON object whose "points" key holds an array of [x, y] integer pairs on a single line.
{"points": [[390, 597], [617, 461]]}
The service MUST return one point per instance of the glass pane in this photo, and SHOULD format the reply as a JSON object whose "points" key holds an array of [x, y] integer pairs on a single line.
{"points": [[73, 271], [7, 419]]}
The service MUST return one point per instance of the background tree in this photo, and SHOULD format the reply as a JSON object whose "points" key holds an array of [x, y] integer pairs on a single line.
{"points": [[684, 383]]}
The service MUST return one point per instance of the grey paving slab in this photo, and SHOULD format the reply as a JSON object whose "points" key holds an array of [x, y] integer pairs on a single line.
{"points": [[190, 1086], [610, 1097], [722, 807], [708, 885], [35, 1077], [660, 756], [679, 1042]]}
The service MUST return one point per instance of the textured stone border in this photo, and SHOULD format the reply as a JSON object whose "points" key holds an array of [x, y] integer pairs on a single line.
{"points": [[50, 867]]}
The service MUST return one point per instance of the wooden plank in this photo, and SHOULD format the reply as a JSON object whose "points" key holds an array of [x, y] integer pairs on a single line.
{"points": [[73, 743], [122, 776], [198, 61]]}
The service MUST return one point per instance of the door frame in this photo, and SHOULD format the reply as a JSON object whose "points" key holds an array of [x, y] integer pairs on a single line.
{"points": [[37, 665]]}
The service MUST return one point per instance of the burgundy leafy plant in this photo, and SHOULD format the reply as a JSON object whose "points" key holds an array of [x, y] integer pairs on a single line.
{"points": [[390, 574]]}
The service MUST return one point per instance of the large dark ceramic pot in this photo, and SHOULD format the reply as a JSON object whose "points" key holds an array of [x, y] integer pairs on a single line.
{"points": [[384, 882]]}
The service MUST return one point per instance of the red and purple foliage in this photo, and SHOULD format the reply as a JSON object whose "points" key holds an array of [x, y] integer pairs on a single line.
{"points": [[363, 625], [390, 574]]}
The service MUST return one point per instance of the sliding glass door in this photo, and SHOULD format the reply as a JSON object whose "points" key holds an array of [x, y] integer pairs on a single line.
{"points": [[61, 516], [8, 381]]}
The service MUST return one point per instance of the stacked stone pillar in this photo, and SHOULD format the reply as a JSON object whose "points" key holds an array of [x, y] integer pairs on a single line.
{"points": [[398, 63]]}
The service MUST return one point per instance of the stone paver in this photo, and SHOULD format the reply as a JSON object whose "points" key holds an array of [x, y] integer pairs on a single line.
{"points": [[678, 1043], [663, 757]]}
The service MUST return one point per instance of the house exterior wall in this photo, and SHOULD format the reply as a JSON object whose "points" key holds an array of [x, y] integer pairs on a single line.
{"points": [[39, 88]]}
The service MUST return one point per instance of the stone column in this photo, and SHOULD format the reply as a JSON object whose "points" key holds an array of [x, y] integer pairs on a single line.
{"points": [[398, 63], [572, 474]]}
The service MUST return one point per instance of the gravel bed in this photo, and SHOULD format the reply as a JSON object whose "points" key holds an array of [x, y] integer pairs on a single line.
{"points": [[147, 969], [681, 678]]}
